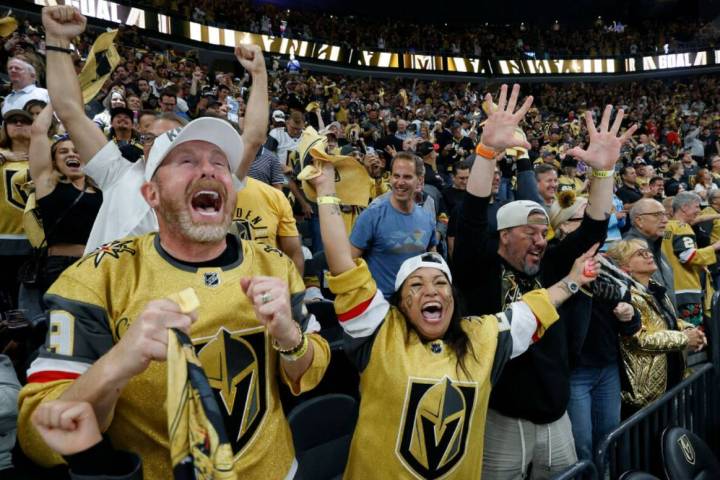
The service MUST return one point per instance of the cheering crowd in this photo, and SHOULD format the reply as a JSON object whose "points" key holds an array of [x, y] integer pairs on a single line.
{"points": [[513, 274], [595, 38]]}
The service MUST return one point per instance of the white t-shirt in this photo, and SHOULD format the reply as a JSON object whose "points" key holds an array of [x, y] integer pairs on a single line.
{"points": [[124, 212], [286, 143]]}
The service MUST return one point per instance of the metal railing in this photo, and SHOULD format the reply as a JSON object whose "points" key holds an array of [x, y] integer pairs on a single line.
{"points": [[635, 444], [693, 404]]}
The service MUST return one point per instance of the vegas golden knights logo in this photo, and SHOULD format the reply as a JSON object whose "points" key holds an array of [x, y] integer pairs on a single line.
{"points": [[235, 365], [434, 430], [13, 193], [687, 449]]}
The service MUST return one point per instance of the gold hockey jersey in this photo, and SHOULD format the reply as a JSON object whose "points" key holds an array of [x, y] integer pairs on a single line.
{"points": [[96, 299], [421, 415], [688, 261], [12, 203]]}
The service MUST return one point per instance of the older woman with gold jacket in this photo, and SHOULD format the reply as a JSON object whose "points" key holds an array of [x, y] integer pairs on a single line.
{"points": [[652, 357]]}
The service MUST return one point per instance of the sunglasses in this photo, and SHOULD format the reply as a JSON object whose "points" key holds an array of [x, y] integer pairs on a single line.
{"points": [[20, 120]]}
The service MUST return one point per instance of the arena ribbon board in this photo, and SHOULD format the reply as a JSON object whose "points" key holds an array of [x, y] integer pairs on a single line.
{"points": [[407, 61]]}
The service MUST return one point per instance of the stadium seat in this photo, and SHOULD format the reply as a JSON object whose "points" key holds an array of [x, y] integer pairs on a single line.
{"points": [[325, 314], [637, 475], [687, 457], [322, 429]]}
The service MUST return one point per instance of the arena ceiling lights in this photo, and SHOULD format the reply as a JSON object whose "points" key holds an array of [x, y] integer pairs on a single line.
{"points": [[146, 19]]}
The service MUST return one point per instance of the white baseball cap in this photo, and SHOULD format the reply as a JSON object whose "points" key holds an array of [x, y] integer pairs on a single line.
{"points": [[429, 260], [278, 116], [213, 130], [515, 214]]}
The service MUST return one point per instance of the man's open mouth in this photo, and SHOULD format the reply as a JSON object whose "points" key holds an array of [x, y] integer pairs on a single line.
{"points": [[206, 202]]}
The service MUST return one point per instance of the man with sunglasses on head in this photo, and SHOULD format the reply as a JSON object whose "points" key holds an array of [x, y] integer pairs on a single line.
{"points": [[124, 211]]}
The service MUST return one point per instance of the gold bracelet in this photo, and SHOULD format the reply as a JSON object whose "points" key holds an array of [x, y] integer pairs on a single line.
{"points": [[603, 173], [328, 200], [297, 355], [485, 152], [276, 346]]}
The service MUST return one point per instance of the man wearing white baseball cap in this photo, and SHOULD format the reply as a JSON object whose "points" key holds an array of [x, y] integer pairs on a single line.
{"points": [[531, 396], [124, 212]]}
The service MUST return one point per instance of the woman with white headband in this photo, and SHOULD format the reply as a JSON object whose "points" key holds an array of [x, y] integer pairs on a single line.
{"points": [[425, 371]]}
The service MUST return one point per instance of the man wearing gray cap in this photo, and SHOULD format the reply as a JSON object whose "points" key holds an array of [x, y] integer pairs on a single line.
{"points": [[527, 420]]}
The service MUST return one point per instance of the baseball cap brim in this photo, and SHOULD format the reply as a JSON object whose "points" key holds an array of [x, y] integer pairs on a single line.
{"points": [[207, 129], [17, 112]]}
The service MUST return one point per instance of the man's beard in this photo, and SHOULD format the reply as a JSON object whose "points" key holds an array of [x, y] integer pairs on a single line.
{"points": [[175, 213], [531, 270]]}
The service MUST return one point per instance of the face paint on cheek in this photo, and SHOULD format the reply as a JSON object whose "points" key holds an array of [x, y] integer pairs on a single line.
{"points": [[408, 301]]}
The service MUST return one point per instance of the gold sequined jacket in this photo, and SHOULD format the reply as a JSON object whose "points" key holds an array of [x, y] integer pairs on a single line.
{"points": [[645, 354]]}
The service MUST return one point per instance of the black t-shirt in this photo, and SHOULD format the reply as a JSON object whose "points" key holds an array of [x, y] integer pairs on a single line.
{"points": [[629, 194], [452, 197]]}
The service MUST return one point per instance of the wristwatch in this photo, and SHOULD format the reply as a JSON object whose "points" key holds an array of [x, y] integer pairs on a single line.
{"points": [[571, 286]]}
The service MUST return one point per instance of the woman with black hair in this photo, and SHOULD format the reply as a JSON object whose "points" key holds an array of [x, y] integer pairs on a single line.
{"points": [[68, 200], [425, 371]]}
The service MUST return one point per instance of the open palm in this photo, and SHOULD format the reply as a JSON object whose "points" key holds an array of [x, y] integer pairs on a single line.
{"points": [[604, 149], [499, 131]]}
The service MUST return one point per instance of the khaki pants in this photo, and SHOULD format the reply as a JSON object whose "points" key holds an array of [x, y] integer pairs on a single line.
{"points": [[512, 444]]}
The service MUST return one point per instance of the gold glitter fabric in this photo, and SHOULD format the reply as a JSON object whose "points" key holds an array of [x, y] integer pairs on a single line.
{"points": [[644, 354], [97, 299]]}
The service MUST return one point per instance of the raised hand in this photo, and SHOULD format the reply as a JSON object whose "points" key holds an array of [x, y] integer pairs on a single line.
{"points": [[271, 300], [251, 58], [499, 130], [63, 22], [68, 427], [586, 267], [604, 149]]}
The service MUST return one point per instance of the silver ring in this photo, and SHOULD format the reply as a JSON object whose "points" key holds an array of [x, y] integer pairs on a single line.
{"points": [[265, 298]]}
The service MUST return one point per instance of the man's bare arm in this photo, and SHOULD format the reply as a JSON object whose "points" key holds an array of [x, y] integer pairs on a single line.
{"points": [[62, 24]]}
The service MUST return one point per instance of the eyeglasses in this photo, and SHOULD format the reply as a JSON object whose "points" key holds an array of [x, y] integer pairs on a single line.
{"points": [[147, 138], [657, 215], [642, 252]]}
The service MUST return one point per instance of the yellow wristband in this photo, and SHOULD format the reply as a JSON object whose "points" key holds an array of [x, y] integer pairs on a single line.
{"points": [[603, 173], [297, 354], [328, 200], [485, 152]]}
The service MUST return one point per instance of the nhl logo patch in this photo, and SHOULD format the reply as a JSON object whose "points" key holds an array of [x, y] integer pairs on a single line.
{"points": [[212, 279]]}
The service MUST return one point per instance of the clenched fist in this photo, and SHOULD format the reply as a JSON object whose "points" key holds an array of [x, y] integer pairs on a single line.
{"points": [[63, 22]]}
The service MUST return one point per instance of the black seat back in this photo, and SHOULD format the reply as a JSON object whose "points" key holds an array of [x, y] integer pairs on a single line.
{"points": [[687, 457], [322, 429]]}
